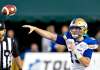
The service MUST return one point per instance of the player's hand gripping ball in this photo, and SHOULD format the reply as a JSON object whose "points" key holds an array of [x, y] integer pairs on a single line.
{"points": [[9, 10]]}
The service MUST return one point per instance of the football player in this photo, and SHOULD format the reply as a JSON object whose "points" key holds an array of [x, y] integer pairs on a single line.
{"points": [[78, 44]]}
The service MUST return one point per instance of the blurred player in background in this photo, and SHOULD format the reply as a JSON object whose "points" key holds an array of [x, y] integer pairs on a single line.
{"points": [[98, 39], [11, 34], [34, 47], [64, 29], [47, 44], [7, 49], [77, 43]]}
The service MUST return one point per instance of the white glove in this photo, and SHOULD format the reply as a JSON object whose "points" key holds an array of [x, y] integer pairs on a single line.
{"points": [[70, 43]]}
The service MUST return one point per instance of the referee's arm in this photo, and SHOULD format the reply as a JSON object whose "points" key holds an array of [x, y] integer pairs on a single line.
{"points": [[16, 56]]}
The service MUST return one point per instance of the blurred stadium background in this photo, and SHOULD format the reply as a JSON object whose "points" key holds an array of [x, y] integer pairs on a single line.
{"points": [[42, 13]]}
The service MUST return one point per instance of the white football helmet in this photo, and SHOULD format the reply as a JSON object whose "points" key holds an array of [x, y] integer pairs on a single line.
{"points": [[80, 25]]}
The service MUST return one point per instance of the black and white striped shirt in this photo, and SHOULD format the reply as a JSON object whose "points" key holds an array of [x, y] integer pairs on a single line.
{"points": [[7, 49]]}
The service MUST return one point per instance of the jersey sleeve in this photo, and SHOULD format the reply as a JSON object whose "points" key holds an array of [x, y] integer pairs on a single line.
{"points": [[88, 53], [92, 42], [60, 40]]}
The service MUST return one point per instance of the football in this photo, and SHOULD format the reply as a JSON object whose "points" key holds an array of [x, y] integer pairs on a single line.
{"points": [[9, 10]]}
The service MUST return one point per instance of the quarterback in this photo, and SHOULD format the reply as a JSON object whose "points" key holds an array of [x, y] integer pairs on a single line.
{"points": [[78, 44]]}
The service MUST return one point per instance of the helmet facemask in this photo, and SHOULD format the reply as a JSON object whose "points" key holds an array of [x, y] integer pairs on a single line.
{"points": [[78, 28], [75, 31]]}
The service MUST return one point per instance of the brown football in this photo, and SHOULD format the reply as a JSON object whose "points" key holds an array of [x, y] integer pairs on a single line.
{"points": [[9, 10]]}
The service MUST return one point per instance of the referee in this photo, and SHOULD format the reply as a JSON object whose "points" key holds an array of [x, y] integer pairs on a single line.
{"points": [[8, 50]]}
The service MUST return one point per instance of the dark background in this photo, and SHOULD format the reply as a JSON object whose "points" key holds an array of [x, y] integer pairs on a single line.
{"points": [[25, 39]]}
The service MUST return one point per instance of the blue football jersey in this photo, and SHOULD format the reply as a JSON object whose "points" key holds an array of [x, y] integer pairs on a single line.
{"points": [[81, 46]]}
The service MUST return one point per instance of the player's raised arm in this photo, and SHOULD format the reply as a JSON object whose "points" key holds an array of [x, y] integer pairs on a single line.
{"points": [[41, 32]]}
